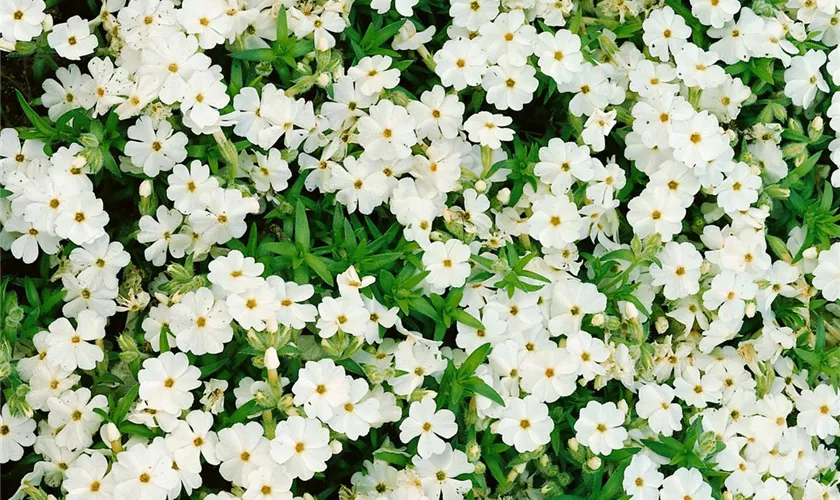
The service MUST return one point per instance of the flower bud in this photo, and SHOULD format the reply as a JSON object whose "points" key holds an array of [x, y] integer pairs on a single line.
{"points": [[815, 128], [336, 446], [810, 253], [473, 451], [145, 188], [750, 309], [111, 433], [323, 80], [503, 196], [594, 463], [480, 186], [573, 444], [622, 405], [272, 362], [598, 320], [661, 324], [630, 311]]}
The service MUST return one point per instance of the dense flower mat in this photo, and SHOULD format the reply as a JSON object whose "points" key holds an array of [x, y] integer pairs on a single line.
{"points": [[481, 249]]}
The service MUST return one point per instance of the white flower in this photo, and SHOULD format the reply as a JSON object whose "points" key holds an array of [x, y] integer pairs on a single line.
{"points": [[642, 478], [827, 273], [16, 432], [372, 74], [665, 32], [597, 128], [656, 405], [207, 20], [242, 449], [321, 387], [698, 68], [20, 20], [561, 163], [555, 221], [162, 236], [739, 190], [172, 61], [72, 40], [438, 474], [255, 308], [200, 323], [223, 216], [69, 347], [431, 425], [678, 271], [359, 184], [509, 86], [686, 483], [73, 414], [714, 13], [301, 446], [525, 424], [204, 96], [188, 186], [144, 472], [473, 14], [508, 35], [85, 479], [460, 63], [192, 439], [697, 390], [650, 213], [166, 382], [549, 375], [269, 483], [71, 91], [559, 55], [155, 150], [437, 114], [344, 313], [356, 416], [292, 312], [818, 411], [803, 78], [729, 292], [599, 427], [388, 133], [447, 263]]}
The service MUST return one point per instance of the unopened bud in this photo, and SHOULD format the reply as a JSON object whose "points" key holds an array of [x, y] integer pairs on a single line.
{"points": [[573, 444], [503, 196], [815, 128], [598, 320], [661, 324], [810, 253], [272, 362], [750, 309], [323, 80], [336, 446], [594, 463], [473, 451], [145, 188], [111, 432], [480, 186], [622, 405], [630, 311]]}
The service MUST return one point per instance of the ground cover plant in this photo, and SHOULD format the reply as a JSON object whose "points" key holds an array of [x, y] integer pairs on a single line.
{"points": [[421, 249]]}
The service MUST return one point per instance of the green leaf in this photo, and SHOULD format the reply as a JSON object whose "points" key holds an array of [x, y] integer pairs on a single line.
{"points": [[282, 25], [283, 248], [476, 358], [137, 430], [466, 318], [477, 386], [302, 236], [39, 123], [255, 55], [802, 170], [125, 404], [317, 264]]}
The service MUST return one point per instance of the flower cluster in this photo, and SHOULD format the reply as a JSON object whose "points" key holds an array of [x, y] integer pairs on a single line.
{"points": [[483, 249]]}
